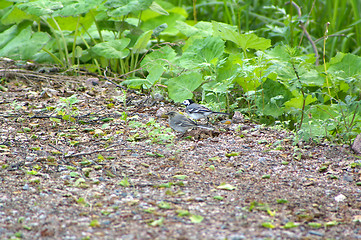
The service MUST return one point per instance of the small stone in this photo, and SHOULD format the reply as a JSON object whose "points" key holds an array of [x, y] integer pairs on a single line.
{"points": [[158, 97], [340, 198], [356, 145], [317, 233], [348, 178], [236, 237], [26, 187], [161, 112], [90, 82]]}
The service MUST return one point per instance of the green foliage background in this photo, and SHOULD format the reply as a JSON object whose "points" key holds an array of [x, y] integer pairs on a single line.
{"points": [[294, 64]]}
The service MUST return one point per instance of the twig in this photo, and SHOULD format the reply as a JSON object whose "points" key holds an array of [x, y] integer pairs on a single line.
{"points": [[308, 36]]}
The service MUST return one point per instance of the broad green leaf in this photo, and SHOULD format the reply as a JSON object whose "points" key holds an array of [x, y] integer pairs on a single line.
{"points": [[297, 102], [136, 83], [245, 41], [76, 8], [203, 51], [16, 16], [226, 186], [158, 9], [25, 44], [201, 29], [345, 65], [112, 49], [6, 37], [120, 8], [40, 8], [272, 100], [155, 72], [161, 57], [71, 23], [175, 15], [142, 41], [182, 87], [196, 218]]}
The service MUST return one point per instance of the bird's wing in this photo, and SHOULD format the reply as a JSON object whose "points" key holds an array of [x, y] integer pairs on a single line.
{"points": [[184, 122], [197, 108]]}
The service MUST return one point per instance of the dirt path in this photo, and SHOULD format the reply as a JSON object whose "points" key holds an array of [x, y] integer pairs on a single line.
{"points": [[121, 173]]}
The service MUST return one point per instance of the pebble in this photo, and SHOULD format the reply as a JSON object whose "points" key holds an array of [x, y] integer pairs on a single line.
{"points": [[26, 187], [236, 237], [316, 233], [348, 178], [65, 177]]}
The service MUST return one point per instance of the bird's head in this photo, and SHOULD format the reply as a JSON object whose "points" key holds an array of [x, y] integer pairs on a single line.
{"points": [[188, 102], [171, 114]]}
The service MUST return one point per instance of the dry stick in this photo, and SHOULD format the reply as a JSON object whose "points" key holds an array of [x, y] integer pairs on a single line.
{"points": [[306, 32]]}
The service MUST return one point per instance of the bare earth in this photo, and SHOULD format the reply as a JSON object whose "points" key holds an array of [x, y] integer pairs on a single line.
{"points": [[107, 180]]}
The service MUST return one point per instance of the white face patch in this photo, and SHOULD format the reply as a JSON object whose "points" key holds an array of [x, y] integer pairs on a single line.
{"points": [[186, 102]]}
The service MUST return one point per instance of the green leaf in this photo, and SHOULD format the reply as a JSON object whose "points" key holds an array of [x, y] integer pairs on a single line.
{"points": [[160, 57], [297, 102], [164, 205], [345, 65], [315, 224], [40, 8], [245, 41], [281, 201], [112, 48], [291, 225], [182, 213], [275, 94], [201, 29], [158, 9], [268, 225], [180, 177], [25, 44], [94, 223], [331, 224], [218, 197], [119, 8], [182, 87], [202, 52], [142, 41], [226, 186], [158, 222], [196, 218], [124, 182], [16, 16]]}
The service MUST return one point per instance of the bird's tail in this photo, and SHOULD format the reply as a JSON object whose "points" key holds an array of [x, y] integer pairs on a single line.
{"points": [[221, 113]]}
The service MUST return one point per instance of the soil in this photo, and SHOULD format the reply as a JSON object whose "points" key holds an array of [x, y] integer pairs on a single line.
{"points": [[116, 171]]}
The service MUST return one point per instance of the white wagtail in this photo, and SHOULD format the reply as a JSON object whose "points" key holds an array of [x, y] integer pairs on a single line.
{"points": [[181, 123], [197, 111]]}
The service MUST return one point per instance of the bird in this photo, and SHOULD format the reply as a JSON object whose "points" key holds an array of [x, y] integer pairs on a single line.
{"points": [[181, 123], [197, 111]]}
